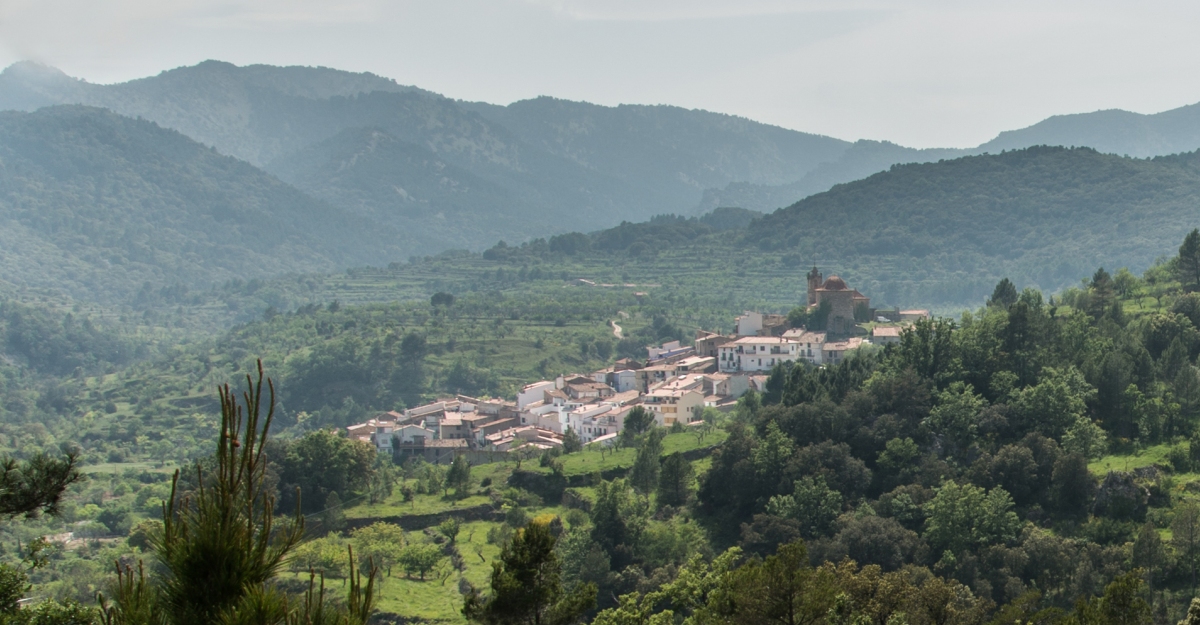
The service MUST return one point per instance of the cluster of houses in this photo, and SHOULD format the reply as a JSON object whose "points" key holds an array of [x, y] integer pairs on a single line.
{"points": [[675, 384]]}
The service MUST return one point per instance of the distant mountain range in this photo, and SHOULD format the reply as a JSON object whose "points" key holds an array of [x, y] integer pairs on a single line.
{"points": [[925, 234], [385, 171], [99, 206], [467, 173]]}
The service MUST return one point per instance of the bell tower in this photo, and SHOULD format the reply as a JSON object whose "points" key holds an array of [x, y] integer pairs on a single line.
{"points": [[814, 283]]}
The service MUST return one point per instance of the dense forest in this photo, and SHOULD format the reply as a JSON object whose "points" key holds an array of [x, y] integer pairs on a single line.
{"points": [[96, 205], [83, 189], [474, 171], [928, 235]]}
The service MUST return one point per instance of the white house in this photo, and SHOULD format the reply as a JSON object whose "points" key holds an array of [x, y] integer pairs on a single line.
{"points": [[886, 335], [756, 353], [671, 405], [533, 392], [811, 345], [413, 434], [835, 353]]}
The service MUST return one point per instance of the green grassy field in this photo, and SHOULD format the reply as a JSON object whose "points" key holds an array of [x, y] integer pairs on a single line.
{"points": [[436, 600], [1127, 462], [426, 503], [593, 458]]}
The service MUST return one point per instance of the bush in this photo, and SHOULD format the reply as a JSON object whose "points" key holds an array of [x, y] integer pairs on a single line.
{"points": [[1180, 458], [499, 534], [1107, 531], [516, 517]]}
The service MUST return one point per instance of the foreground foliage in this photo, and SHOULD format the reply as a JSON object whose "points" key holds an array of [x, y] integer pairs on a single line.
{"points": [[219, 548]]}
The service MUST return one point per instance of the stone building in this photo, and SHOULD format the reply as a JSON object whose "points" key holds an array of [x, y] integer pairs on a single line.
{"points": [[842, 300]]}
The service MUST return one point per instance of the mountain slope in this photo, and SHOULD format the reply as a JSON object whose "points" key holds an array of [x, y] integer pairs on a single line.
{"points": [[936, 235], [406, 185], [1112, 131], [219, 104], [664, 152], [95, 205], [571, 165], [1047, 215], [860, 160]]}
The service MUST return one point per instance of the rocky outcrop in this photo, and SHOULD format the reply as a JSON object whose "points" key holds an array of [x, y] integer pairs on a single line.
{"points": [[1121, 496]]}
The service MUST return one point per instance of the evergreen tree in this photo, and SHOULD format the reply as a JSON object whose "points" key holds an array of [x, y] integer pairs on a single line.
{"points": [[333, 518], [1004, 295], [618, 520], [644, 474], [1185, 538], [220, 549], [527, 587], [571, 441], [1072, 485], [675, 481], [1102, 292], [782, 589], [1188, 265], [637, 421], [1149, 554], [459, 476]]}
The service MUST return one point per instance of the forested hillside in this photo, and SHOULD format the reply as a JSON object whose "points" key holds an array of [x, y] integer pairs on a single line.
{"points": [[1112, 131], [468, 172], [860, 160], [926, 235], [460, 174], [95, 205], [1043, 214], [936, 235]]}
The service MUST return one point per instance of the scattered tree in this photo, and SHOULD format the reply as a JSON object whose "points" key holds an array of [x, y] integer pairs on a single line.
{"points": [[526, 585], [675, 481], [1004, 295], [571, 441], [459, 476], [1188, 265]]}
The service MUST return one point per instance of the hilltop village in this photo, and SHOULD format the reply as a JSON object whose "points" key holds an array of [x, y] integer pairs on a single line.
{"points": [[675, 384]]}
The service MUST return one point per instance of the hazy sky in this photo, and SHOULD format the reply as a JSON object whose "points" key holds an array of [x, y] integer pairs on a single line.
{"points": [[923, 73]]}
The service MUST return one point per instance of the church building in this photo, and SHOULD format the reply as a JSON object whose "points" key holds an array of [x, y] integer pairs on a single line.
{"points": [[842, 300]]}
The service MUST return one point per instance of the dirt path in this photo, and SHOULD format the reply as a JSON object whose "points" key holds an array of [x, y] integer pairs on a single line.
{"points": [[617, 332]]}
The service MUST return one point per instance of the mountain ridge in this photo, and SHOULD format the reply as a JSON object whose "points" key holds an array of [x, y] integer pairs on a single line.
{"points": [[96, 205]]}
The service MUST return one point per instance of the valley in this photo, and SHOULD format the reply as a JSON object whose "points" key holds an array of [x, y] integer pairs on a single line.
{"points": [[600, 342]]}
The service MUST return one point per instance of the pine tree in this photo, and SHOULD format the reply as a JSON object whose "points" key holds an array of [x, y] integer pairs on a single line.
{"points": [[1148, 553], [675, 481], [527, 587], [37, 485], [459, 476], [637, 421], [1188, 265], [644, 474], [571, 441], [220, 549], [1004, 295]]}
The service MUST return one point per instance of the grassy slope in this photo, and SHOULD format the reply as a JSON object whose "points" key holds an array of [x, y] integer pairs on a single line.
{"points": [[431, 600]]}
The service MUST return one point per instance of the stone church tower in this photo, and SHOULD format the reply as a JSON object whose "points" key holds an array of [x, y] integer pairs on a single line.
{"points": [[814, 283]]}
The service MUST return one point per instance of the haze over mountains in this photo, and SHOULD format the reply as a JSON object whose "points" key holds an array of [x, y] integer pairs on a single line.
{"points": [[96, 205], [531, 168], [346, 169]]}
